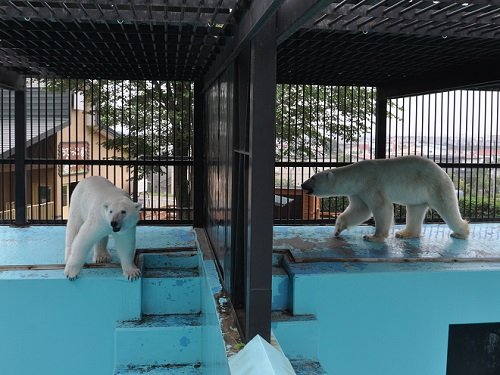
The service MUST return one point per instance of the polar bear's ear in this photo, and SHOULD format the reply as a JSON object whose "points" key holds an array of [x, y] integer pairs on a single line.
{"points": [[138, 206]]}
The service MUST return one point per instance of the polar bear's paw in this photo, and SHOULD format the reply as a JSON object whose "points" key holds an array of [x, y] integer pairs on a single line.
{"points": [[132, 273], [339, 228], [406, 234], [459, 236], [104, 257], [71, 272], [369, 238]]}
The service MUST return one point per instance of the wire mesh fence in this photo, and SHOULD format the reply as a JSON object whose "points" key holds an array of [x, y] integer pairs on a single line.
{"points": [[138, 134], [323, 127], [459, 130], [318, 128]]}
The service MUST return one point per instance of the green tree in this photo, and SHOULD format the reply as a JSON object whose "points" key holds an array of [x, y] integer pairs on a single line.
{"points": [[153, 120], [148, 120], [310, 118], [156, 118]]}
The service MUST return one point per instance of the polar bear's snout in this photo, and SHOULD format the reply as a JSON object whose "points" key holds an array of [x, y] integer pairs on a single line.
{"points": [[116, 226], [307, 186]]}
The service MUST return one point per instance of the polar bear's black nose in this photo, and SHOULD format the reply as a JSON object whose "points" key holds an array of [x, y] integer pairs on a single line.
{"points": [[115, 226], [307, 187]]}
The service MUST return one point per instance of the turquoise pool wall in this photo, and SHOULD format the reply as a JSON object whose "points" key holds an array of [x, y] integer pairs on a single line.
{"points": [[213, 351], [50, 325], [395, 323], [391, 318], [387, 319]]}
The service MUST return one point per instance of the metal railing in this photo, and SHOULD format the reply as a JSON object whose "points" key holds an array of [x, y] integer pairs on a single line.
{"points": [[323, 127], [138, 134]]}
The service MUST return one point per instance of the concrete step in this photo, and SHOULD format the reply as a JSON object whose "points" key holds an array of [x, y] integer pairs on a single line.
{"points": [[280, 283], [297, 334], [171, 283], [159, 340], [307, 367], [195, 369], [170, 259], [280, 289]]}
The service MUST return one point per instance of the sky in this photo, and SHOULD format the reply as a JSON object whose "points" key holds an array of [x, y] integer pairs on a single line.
{"points": [[469, 113]]}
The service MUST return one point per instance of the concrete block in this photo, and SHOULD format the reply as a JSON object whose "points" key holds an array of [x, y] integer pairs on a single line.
{"points": [[171, 291], [297, 334], [159, 340]]}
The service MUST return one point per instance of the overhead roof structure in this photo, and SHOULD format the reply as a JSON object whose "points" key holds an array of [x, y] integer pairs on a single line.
{"points": [[386, 43]]}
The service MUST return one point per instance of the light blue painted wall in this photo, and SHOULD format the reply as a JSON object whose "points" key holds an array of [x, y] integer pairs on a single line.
{"points": [[213, 351], [49, 325], [377, 322], [45, 244]]}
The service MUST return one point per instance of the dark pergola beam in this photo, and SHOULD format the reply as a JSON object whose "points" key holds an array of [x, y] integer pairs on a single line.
{"points": [[11, 80], [408, 18], [175, 12], [451, 79], [250, 23], [293, 14]]}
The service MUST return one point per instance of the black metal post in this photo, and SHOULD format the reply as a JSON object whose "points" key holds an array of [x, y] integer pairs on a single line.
{"points": [[20, 157], [261, 182], [235, 269], [198, 155], [380, 124]]}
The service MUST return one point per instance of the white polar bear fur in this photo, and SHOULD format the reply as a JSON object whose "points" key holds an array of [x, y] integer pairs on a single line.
{"points": [[95, 204], [374, 185]]}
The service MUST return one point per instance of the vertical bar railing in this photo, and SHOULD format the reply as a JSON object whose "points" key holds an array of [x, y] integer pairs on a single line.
{"points": [[157, 116], [457, 130], [20, 157]]}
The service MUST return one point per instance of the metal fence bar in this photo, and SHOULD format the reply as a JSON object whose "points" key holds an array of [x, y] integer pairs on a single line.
{"points": [[136, 133], [457, 129], [20, 156], [319, 127]]}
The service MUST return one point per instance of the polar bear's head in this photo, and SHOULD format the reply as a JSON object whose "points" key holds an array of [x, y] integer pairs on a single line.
{"points": [[121, 213], [321, 184]]}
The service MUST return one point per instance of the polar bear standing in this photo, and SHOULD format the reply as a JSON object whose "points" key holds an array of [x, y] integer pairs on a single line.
{"points": [[98, 209], [374, 185]]}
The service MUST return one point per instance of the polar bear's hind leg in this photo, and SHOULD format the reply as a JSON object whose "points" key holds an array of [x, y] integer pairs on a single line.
{"points": [[101, 253], [449, 212]]}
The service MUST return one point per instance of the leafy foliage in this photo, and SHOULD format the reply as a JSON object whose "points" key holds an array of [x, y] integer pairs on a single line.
{"points": [[309, 118]]}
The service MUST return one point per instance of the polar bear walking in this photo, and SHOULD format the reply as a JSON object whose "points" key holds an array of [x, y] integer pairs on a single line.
{"points": [[374, 185], [98, 209]]}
